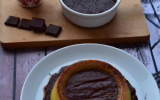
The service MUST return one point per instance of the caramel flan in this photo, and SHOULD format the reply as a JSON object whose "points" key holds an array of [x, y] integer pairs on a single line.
{"points": [[88, 80]]}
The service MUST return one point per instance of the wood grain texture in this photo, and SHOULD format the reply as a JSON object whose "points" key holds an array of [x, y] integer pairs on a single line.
{"points": [[6, 73], [147, 8], [26, 59], [145, 56], [156, 53], [0, 20], [157, 6], [140, 51], [154, 38], [154, 33], [51, 49]]}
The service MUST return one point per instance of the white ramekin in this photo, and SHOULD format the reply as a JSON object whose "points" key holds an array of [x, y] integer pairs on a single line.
{"points": [[89, 20]]}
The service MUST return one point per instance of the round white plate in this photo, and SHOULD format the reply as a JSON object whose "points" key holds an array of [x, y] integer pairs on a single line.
{"points": [[133, 70]]}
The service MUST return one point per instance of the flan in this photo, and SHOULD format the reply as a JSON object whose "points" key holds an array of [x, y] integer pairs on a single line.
{"points": [[88, 80]]}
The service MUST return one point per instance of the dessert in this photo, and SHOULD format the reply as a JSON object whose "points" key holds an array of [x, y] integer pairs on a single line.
{"points": [[89, 79], [24, 24], [37, 25], [12, 21], [53, 30], [90, 6]]}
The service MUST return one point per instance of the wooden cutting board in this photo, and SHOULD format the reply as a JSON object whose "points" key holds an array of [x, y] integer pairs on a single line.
{"points": [[129, 25]]}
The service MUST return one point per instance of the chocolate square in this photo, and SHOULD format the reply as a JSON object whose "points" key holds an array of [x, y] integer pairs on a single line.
{"points": [[44, 28], [37, 24], [24, 24], [53, 30], [12, 21]]}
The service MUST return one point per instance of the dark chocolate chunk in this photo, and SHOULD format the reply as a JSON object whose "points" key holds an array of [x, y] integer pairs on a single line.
{"points": [[53, 30], [44, 28], [37, 24], [12, 21], [24, 24]]}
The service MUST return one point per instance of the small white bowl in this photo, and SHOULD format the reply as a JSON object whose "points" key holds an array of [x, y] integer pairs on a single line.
{"points": [[89, 20]]}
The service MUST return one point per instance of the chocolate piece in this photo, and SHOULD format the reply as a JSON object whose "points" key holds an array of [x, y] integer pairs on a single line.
{"points": [[37, 24], [24, 24], [53, 30], [44, 28], [12, 21]]}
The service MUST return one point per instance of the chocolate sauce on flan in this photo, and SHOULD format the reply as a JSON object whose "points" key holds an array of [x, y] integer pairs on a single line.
{"points": [[92, 85]]}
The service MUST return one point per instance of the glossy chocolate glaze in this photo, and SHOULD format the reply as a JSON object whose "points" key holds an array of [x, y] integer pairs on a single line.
{"points": [[92, 85], [90, 6], [54, 77]]}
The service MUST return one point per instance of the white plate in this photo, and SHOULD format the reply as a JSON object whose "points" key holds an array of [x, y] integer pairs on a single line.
{"points": [[133, 70]]}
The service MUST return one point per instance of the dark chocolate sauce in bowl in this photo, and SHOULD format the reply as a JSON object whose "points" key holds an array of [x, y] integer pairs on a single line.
{"points": [[90, 6]]}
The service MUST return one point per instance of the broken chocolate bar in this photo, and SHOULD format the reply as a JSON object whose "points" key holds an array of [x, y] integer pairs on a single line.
{"points": [[53, 30], [37, 24], [24, 24], [12, 21]]}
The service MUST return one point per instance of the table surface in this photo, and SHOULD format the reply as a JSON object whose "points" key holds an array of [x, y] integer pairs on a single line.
{"points": [[16, 64]]}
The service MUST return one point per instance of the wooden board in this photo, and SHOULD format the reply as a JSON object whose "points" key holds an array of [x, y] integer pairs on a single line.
{"points": [[129, 25]]}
